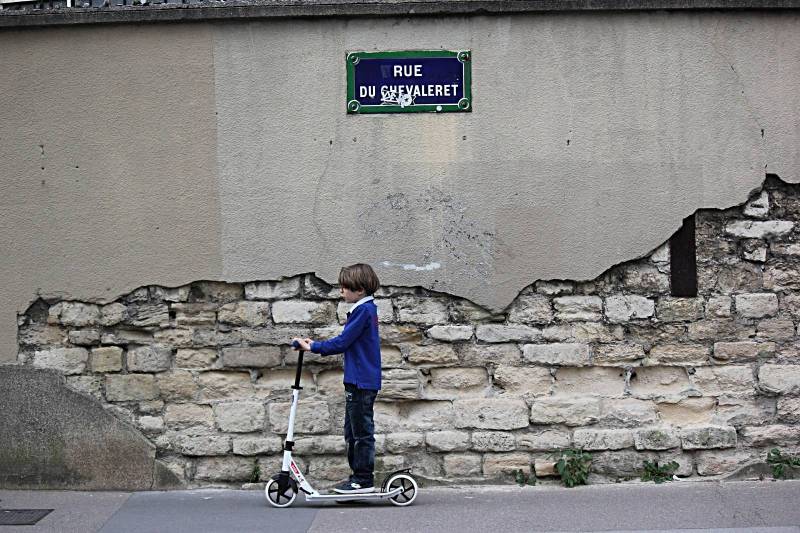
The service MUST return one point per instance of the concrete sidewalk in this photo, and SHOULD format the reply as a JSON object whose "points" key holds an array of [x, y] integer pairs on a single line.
{"points": [[708, 506]]}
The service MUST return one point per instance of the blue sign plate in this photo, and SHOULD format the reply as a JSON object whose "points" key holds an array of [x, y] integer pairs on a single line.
{"points": [[412, 81]]}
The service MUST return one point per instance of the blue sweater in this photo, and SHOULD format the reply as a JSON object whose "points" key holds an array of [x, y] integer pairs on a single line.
{"points": [[361, 345]]}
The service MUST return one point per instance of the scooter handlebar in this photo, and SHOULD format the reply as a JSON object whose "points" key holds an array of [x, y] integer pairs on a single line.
{"points": [[296, 346]]}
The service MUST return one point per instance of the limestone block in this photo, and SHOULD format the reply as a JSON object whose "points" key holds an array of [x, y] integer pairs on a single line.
{"points": [[463, 380], [447, 441], [384, 305], [393, 333], [544, 468], [257, 445], [776, 329], [531, 309], [645, 279], [65, 360], [240, 417], [568, 410], [151, 406], [752, 229], [176, 294], [177, 337], [543, 440], [499, 464], [715, 463], [687, 412], [534, 381], [625, 307], [332, 381], [772, 435], [300, 311], [324, 444], [84, 337], [107, 359], [400, 384], [177, 385], [89, 385], [490, 413], [627, 412], [203, 445], [788, 410], [195, 358], [601, 381], [583, 332], [112, 314], [789, 304], [678, 354], [671, 309], [578, 308], [742, 351], [507, 333], [216, 291], [754, 250], [225, 385], [414, 416], [245, 313], [252, 356], [617, 354], [223, 468], [193, 314], [656, 382], [273, 290], [403, 442], [450, 333], [434, 354], [151, 358], [41, 335], [656, 438], [329, 468], [790, 249], [462, 465], [311, 417], [741, 411], [122, 388], [756, 305], [700, 438], [188, 414], [721, 380], [493, 441], [499, 354], [602, 439], [718, 330], [555, 287], [79, 314], [782, 277], [563, 354], [719, 306], [758, 207], [147, 314], [391, 357], [425, 311], [151, 424]]}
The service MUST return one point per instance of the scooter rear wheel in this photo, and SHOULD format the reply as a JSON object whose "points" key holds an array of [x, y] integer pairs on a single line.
{"points": [[409, 492], [278, 499]]}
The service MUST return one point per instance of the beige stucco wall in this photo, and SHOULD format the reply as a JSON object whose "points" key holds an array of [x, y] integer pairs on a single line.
{"points": [[223, 151]]}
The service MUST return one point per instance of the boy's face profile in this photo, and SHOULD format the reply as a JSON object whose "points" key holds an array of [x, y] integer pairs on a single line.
{"points": [[351, 296]]}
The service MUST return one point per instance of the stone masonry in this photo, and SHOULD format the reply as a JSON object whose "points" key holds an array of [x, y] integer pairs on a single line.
{"points": [[616, 366]]}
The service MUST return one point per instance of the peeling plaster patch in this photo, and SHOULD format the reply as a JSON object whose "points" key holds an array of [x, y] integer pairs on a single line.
{"points": [[429, 266]]}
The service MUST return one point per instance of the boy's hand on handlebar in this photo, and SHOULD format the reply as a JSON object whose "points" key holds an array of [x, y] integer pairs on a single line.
{"points": [[304, 344]]}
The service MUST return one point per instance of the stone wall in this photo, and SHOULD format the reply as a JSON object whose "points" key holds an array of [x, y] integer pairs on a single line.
{"points": [[615, 365]]}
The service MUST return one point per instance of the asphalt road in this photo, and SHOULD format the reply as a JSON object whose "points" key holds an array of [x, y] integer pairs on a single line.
{"points": [[751, 506]]}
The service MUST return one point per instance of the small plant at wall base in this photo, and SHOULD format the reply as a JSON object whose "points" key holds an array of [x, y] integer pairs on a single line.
{"points": [[781, 462], [573, 466], [523, 479], [659, 473], [255, 475]]}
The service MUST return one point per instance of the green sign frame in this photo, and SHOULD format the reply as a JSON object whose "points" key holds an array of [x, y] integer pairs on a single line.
{"points": [[464, 105]]}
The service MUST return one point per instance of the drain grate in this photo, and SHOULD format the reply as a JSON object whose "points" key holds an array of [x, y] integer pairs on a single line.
{"points": [[22, 517]]}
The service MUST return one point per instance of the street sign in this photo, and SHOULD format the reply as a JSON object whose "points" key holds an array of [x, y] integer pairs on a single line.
{"points": [[409, 81]]}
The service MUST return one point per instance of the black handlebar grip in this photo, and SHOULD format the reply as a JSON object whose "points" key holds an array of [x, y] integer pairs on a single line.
{"points": [[295, 345]]}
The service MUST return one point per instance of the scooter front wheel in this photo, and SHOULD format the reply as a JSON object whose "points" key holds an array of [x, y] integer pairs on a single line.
{"points": [[409, 489], [276, 498]]}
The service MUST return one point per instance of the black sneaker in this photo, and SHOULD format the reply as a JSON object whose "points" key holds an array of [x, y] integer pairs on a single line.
{"points": [[351, 487]]}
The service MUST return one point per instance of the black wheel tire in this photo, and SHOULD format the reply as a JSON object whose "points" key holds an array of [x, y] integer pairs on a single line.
{"points": [[275, 498], [409, 486]]}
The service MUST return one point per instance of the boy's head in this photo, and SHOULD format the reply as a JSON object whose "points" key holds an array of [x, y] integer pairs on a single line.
{"points": [[359, 277]]}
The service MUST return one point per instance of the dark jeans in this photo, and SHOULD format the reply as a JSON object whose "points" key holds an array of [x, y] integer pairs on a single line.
{"points": [[359, 433]]}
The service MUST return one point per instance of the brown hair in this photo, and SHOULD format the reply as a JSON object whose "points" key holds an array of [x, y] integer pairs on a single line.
{"points": [[359, 277]]}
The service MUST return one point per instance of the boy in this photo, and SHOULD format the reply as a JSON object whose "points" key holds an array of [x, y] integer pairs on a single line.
{"points": [[362, 373]]}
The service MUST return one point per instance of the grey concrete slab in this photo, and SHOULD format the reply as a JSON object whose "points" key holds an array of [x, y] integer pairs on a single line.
{"points": [[72, 511], [207, 511]]}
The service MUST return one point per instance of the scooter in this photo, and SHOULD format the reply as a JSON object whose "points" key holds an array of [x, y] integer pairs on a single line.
{"points": [[399, 487]]}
